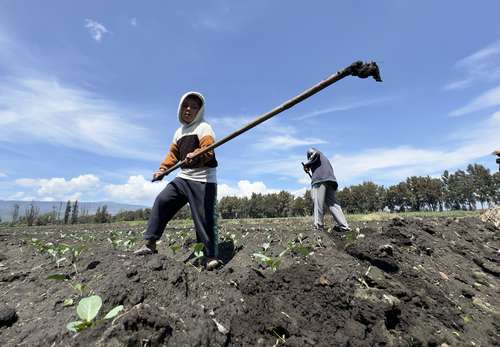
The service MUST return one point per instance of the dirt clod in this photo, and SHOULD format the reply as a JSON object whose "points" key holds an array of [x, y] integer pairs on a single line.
{"points": [[8, 316]]}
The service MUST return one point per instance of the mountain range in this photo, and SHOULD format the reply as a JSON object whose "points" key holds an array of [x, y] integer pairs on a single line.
{"points": [[7, 207]]}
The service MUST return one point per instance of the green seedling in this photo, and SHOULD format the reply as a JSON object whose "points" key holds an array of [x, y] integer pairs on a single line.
{"points": [[115, 241], [58, 277], [57, 251], [198, 250], [77, 287], [130, 242], [175, 248], [467, 319], [299, 246], [87, 310], [272, 263]]}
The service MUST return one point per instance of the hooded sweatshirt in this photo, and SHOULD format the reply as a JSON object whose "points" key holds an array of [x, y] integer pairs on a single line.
{"points": [[189, 138], [322, 170]]}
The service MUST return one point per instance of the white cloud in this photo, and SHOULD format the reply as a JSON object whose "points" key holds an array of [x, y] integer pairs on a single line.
{"points": [[2, 174], [224, 125], [20, 196], [137, 190], [45, 111], [393, 164], [133, 22], [284, 167], [284, 142], [488, 99], [482, 65], [338, 108], [59, 188], [244, 188], [96, 29], [273, 134]]}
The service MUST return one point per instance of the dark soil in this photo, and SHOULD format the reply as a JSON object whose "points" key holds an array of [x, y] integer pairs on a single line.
{"points": [[404, 282]]}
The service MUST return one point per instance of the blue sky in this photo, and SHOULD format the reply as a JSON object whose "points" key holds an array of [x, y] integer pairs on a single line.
{"points": [[89, 91]]}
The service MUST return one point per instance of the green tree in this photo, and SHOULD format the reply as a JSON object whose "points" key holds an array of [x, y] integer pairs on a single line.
{"points": [[496, 193], [309, 202], [15, 214], [285, 204], [102, 215], [67, 212], [31, 213], [299, 207], [398, 197], [229, 207], [74, 214], [483, 183]]}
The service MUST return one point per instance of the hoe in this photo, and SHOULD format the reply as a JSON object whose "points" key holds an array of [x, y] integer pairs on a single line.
{"points": [[359, 69]]}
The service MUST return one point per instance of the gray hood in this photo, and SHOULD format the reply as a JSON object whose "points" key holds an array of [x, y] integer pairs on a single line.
{"points": [[199, 116]]}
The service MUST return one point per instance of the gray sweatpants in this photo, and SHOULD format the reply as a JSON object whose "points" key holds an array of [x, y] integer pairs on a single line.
{"points": [[202, 198], [324, 193]]}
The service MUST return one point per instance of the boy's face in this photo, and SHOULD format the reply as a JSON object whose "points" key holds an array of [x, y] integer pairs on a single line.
{"points": [[189, 109]]}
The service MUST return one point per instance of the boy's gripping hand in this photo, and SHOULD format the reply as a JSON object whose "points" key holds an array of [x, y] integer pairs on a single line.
{"points": [[189, 161], [158, 175], [189, 158]]}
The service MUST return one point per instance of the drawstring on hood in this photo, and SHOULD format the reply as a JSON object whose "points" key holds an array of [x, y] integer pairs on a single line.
{"points": [[199, 116]]}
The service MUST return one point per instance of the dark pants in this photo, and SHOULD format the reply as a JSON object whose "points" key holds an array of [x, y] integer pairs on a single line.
{"points": [[202, 198]]}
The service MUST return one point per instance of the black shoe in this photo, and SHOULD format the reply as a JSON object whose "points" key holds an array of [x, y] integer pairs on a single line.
{"points": [[146, 249], [340, 229]]}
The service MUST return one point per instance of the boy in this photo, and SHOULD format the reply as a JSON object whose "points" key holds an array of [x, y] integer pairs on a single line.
{"points": [[196, 183], [324, 187]]}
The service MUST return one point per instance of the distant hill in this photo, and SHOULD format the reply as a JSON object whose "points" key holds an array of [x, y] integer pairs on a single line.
{"points": [[7, 206]]}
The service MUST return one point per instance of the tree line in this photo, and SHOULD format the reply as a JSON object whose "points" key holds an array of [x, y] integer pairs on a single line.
{"points": [[72, 214], [461, 190]]}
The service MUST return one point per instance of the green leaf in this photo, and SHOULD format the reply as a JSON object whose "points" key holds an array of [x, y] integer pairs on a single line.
{"points": [[304, 250], [89, 307], [68, 302], [283, 253], [58, 277], [71, 326], [262, 257], [198, 249], [114, 312], [274, 264], [77, 326], [78, 287], [175, 247]]}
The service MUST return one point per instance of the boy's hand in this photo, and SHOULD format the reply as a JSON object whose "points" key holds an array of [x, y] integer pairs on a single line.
{"points": [[158, 175], [189, 158]]}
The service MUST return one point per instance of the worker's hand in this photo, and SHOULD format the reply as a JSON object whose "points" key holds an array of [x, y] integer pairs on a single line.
{"points": [[306, 169], [158, 175]]}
